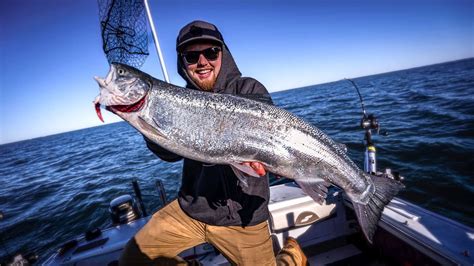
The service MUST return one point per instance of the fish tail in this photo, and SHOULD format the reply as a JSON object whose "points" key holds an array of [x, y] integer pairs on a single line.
{"points": [[369, 214]]}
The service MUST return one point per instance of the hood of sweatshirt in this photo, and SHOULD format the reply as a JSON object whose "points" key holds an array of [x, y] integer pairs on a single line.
{"points": [[201, 30]]}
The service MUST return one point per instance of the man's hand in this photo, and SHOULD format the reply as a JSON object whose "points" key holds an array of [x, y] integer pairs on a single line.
{"points": [[257, 167]]}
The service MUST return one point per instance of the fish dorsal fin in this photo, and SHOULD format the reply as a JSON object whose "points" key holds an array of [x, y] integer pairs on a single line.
{"points": [[316, 188]]}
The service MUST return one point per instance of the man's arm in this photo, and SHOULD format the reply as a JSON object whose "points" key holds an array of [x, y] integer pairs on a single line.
{"points": [[162, 153]]}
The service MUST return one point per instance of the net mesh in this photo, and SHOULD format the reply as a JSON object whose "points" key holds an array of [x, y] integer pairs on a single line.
{"points": [[124, 31]]}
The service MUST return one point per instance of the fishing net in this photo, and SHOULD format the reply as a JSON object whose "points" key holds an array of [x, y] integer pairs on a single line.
{"points": [[124, 31]]}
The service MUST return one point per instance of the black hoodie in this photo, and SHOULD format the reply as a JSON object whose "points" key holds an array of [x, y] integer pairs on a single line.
{"points": [[212, 193]]}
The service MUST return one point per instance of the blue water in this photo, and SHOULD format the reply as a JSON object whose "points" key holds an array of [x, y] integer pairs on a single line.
{"points": [[54, 188]]}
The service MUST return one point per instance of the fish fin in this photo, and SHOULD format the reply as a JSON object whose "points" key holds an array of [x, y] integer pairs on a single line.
{"points": [[341, 146], [317, 188], [369, 214], [149, 127], [245, 169], [240, 175]]}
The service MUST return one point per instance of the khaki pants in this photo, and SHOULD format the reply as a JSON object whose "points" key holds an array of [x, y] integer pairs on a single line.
{"points": [[170, 231]]}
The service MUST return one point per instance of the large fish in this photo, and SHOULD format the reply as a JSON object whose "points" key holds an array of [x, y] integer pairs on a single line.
{"points": [[226, 129]]}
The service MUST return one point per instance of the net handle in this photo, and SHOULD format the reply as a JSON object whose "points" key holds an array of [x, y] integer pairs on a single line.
{"points": [[157, 43]]}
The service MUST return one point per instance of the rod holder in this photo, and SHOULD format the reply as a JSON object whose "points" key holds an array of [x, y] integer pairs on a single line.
{"points": [[161, 192], [138, 194]]}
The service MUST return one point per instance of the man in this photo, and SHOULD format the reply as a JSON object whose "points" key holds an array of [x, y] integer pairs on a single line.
{"points": [[212, 205]]}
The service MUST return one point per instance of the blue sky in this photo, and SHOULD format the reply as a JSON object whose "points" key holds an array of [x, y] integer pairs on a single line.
{"points": [[51, 49]]}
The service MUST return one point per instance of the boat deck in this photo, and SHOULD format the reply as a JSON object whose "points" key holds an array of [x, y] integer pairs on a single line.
{"points": [[328, 234]]}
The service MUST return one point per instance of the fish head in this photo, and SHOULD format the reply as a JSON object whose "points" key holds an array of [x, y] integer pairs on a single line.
{"points": [[123, 91]]}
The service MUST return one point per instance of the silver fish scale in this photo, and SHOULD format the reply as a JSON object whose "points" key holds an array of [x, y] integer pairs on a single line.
{"points": [[219, 128]]}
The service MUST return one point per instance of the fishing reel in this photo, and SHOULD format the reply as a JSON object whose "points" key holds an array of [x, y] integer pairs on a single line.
{"points": [[370, 122]]}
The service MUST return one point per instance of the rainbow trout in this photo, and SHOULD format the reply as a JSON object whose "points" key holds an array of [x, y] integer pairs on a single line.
{"points": [[228, 129]]}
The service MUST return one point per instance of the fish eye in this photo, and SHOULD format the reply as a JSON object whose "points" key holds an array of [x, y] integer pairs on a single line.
{"points": [[121, 71]]}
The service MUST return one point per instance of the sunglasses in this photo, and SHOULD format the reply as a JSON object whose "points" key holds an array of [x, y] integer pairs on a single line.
{"points": [[192, 57]]}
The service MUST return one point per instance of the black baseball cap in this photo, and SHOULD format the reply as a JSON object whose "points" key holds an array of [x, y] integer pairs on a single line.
{"points": [[198, 30]]}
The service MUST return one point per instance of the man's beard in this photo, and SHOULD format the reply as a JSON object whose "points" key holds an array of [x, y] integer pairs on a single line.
{"points": [[206, 85]]}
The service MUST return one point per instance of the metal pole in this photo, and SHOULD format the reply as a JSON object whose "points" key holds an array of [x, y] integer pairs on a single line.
{"points": [[157, 43]]}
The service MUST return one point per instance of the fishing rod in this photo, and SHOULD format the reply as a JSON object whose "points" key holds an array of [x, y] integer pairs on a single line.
{"points": [[368, 123]]}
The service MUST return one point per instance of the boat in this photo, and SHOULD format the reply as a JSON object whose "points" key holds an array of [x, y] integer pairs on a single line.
{"points": [[328, 233]]}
